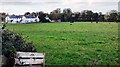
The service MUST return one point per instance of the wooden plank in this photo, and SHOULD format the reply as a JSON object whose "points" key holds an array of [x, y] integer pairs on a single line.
{"points": [[30, 58]]}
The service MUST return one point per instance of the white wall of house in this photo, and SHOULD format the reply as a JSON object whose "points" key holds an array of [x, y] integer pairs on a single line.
{"points": [[24, 20], [12, 20], [30, 20]]}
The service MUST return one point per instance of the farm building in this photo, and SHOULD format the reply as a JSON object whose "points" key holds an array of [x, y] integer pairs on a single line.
{"points": [[21, 19]]}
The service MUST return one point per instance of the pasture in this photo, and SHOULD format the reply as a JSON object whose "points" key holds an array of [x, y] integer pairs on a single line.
{"points": [[77, 44]]}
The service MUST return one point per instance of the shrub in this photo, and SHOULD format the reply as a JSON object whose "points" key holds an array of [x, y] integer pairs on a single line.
{"points": [[12, 42]]}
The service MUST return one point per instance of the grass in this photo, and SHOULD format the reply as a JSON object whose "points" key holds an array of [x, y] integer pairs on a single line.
{"points": [[79, 43]]}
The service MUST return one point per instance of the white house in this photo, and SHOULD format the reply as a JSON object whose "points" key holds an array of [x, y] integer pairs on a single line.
{"points": [[28, 19], [21, 19], [47, 18]]}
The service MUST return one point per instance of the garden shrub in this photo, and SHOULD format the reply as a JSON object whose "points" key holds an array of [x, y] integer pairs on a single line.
{"points": [[12, 42]]}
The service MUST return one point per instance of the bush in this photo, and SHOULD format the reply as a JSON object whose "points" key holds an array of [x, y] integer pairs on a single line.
{"points": [[12, 42]]}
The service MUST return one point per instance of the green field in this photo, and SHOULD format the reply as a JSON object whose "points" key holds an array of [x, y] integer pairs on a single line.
{"points": [[79, 43]]}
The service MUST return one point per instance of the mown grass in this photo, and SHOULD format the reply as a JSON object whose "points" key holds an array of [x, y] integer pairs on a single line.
{"points": [[79, 43]]}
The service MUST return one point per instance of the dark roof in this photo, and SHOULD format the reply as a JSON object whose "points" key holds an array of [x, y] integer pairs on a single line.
{"points": [[30, 16], [15, 16], [20, 16]]}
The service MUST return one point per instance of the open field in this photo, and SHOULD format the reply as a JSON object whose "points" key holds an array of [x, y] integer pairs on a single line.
{"points": [[79, 43]]}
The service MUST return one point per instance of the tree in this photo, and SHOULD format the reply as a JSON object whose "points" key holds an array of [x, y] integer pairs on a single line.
{"points": [[33, 14], [87, 15], [67, 14], [76, 16], [118, 17], [113, 17], [67, 11], [73, 18], [101, 17], [41, 16], [27, 13], [3, 16], [56, 14], [95, 17], [83, 16], [106, 17]]}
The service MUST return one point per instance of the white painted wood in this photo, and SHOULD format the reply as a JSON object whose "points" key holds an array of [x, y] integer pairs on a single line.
{"points": [[30, 58]]}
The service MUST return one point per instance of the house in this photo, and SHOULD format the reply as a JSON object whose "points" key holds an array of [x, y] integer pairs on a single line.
{"points": [[28, 19], [13, 19], [21, 19], [48, 19]]}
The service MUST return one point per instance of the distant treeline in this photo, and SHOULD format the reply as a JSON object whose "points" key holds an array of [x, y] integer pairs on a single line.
{"points": [[84, 16]]}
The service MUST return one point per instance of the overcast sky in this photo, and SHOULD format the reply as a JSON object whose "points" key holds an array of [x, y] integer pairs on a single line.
{"points": [[22, 6]]}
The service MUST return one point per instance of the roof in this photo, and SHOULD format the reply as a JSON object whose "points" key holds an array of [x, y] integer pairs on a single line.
{"points": [[20, 16], [15, 16], [30, 16]]}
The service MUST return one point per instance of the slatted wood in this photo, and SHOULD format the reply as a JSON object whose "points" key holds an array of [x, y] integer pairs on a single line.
{"points": [[29, 59]]}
